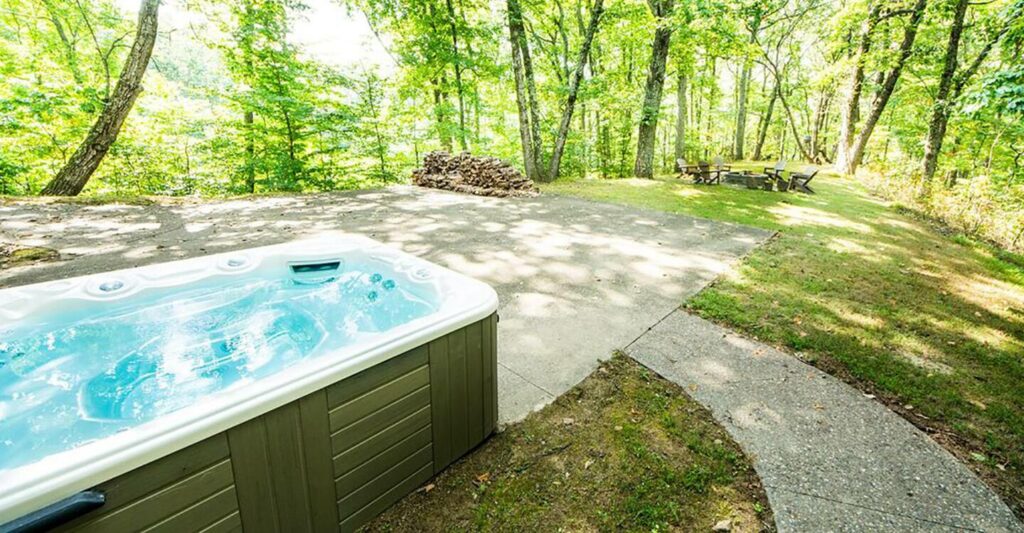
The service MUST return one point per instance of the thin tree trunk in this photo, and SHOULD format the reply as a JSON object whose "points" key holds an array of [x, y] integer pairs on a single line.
{"points": [[644, 167], [458, 75], [744, 89], [574, 86], [529, 129], [851, 111], [824, 101], [792, 124], [680, 141], [741, 112], [940, 110], [888, 86], [765, 122], [76, 173], [950, 87], [250, 152]]}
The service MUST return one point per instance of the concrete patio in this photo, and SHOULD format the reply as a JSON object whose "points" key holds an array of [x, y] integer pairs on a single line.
{"points": [[577, 279]]}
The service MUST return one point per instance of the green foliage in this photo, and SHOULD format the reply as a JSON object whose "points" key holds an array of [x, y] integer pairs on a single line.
{"points": [[232, 105]]}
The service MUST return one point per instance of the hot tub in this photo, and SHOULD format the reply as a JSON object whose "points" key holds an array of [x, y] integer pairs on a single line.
{"points": [[302, 386]]}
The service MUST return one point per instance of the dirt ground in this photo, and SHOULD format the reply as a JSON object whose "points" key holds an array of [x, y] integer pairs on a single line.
{"points": [[624, 450]]}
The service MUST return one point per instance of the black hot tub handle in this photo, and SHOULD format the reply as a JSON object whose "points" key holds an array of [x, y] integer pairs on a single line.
{"points": [[56, 514]]}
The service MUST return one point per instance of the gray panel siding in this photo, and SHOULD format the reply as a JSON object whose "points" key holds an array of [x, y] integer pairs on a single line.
{"points": [[167, 505], [374, 377], [190, 489], [282, 468], [360, 475], [465, 406]]}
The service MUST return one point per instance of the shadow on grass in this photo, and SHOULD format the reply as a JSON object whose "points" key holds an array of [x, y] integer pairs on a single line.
{"points": [[932, 324]]}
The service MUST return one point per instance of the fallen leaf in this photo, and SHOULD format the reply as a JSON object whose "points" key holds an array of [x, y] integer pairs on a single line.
{"points": [[483, 478]]}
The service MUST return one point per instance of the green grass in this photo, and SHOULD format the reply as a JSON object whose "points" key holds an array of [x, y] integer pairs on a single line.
{"points": [[625, 450], [932, 324]]}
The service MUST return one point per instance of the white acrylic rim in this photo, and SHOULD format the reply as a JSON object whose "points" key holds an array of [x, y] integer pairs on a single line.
{"points": [[34, 486]]}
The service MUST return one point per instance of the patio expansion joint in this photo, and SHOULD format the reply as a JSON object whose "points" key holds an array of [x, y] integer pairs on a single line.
{"points": [[528, 380]]}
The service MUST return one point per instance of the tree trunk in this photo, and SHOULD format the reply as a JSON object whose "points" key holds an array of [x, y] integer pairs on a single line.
{"points": [[741, 112], [824, 101], [765, 122], [76, 173], [940, 110], [460, 91], [644, 167], [792, 124], [250, 152], [574, 86], [888, 86], [851, 111], [950, 87], [680, 144], [522, 68], [744, 89]]}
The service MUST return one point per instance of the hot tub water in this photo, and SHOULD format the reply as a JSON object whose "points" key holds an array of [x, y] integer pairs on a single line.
{"points": [[75, 377]]}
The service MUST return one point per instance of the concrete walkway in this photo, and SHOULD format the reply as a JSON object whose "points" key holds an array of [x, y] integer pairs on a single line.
{"points": [[830, 458], [577, 279]]}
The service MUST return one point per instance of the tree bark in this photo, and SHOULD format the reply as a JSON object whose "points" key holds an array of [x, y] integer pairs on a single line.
{"points": [[83, 163], [741, 112], [460, 91], [529, 130], [950, 86], [887, 88], [744, 89], [680, 142], [250, 152], [940, 110], [820, 112], [765, 122], [851, 111], [644, 167], [574, 86]]}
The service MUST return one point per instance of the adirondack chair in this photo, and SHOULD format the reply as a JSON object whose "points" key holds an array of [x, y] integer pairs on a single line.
{"points": [[720, 165], [707, 175], [686, 169], [798, 181], [776, 171]]}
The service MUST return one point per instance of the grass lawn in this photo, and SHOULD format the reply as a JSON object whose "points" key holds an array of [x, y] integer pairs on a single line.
{"points": [[622, 451], [931, 324]]}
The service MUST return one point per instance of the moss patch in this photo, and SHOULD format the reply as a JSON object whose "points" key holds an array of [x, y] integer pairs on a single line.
{"points": [[623, 451], [931, 323], [12, 257]]}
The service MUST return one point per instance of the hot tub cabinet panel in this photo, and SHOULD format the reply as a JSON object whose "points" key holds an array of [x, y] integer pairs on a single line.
{"points": [[190, 490], [331, 460]]}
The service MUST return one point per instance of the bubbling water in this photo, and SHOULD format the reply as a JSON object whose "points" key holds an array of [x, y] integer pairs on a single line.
{"points": [[69, 382]]}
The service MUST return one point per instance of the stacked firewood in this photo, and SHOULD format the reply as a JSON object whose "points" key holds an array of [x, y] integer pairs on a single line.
{"points": [[466, 173]]}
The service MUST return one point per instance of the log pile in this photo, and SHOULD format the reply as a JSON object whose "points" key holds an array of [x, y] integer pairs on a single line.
{"points": [[466, 173]]}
